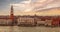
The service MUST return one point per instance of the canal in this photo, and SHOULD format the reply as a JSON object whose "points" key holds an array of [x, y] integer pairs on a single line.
{"points": [[28, 29]]}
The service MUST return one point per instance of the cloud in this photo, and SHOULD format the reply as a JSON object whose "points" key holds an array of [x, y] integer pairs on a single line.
{"points": [[28, 6], [50, 12], [38, 3], [25, 2], [5, 3], [23, 6], [45, 5]]}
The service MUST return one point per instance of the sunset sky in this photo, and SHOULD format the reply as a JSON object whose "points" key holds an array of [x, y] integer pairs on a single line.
{"points": [[26, 7]]}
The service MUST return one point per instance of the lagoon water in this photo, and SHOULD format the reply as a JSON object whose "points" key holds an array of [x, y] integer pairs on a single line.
{"points": [[28, 29]]}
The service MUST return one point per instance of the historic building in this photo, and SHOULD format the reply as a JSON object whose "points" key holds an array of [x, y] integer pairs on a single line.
{"points": [[25, 20]]}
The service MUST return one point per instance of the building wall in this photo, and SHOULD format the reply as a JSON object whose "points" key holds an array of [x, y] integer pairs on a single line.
{"points": [[48, 22], [25, 20], [5, 21]]}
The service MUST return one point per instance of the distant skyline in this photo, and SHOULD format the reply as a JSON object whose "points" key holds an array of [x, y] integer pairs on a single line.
{"points": [[21, 6]]}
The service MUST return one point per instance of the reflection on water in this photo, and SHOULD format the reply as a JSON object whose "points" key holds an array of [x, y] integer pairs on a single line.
{"points": [[28, 29]]}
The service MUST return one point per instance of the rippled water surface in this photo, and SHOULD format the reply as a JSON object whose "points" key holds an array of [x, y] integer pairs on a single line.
{"points": [[28, 29]]}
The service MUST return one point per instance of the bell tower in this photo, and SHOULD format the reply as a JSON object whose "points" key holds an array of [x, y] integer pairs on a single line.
{"points": [[11, 13], [14, 22]]}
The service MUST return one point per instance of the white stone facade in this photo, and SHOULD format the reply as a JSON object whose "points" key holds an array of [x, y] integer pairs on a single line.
{"points": [[25, 20]]}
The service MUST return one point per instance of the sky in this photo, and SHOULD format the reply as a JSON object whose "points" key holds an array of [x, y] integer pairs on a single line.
{"points": [[25, 6]]}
